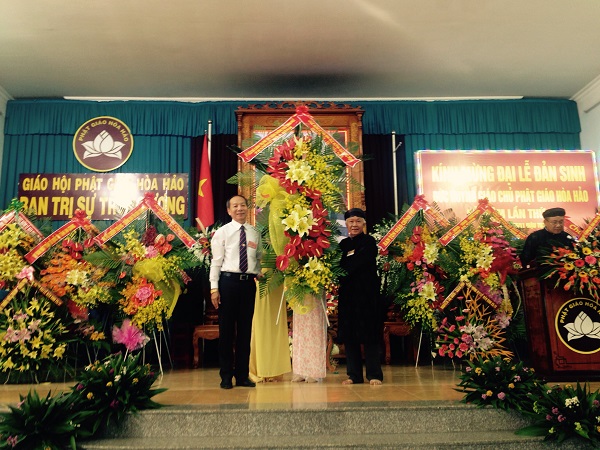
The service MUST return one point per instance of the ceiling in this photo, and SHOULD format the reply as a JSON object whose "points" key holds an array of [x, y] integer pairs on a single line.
{"points": [[309, 49]]}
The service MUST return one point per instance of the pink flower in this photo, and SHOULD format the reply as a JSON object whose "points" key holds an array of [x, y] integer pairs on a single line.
{"points": [[130, 336], [143, 293], [12, 440], [26, 272], [501, 395], [151, 252], [590, 259]]}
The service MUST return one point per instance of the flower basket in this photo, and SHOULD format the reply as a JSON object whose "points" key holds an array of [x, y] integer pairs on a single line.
{"points": [[577, 269]]}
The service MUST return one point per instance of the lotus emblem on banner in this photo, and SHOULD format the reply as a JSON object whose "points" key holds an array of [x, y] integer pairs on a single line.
{"points": [[103, 144]]}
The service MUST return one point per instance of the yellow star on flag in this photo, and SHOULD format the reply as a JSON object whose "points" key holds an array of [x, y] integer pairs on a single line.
{"points": [[200, 193]]}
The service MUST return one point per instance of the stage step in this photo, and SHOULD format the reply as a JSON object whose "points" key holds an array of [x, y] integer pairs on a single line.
{"points": [[401, 425]]}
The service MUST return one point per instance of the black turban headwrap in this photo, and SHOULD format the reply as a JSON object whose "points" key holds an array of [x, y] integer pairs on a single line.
{"points": [[355, 212], [553, 212]]}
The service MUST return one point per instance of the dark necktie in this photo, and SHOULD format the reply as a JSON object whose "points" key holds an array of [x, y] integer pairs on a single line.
{"points": [[243, 251]]}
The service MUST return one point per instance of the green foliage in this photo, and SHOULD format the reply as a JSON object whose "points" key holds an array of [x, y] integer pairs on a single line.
{"points": [[42, 423], [106, 391], [559, 413], [499, 382], [114, 387], [565, 412]]}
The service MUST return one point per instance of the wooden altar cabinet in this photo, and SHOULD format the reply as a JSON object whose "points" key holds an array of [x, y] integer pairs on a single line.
{"points": [[563, 329]]}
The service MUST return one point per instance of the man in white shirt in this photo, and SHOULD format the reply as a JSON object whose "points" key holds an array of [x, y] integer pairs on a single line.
{"points": [[236, 251]]}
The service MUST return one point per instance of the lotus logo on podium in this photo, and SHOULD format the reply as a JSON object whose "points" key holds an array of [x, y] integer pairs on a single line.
{"points": [[103, 144], [578, 325]]}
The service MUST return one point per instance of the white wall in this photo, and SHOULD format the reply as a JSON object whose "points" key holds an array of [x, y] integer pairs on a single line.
{"points": [[4, 98], [588, 104]]}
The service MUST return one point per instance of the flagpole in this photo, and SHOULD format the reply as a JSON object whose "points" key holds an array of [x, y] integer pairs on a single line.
{"points": [[395, 174], [209, 139]]}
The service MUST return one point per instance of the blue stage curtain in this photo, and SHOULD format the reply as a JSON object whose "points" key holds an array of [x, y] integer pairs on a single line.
{"points": [[142, 117], [471, 117], [39, 133], [540, 124]]}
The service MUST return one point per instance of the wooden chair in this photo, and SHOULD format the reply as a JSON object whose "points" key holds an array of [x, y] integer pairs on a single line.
{"points": [[209, 329], [396, 326]]}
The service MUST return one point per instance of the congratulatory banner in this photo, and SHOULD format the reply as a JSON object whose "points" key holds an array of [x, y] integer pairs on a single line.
{"points": [[101, 196], [519, 184]]}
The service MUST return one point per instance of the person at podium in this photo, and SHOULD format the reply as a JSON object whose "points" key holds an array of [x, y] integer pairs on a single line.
{"points": [[540, 243]]}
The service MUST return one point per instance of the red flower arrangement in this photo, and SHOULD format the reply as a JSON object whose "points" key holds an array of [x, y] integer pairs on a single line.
{"points": [[301, 187], [577, 269], [308, 243]]}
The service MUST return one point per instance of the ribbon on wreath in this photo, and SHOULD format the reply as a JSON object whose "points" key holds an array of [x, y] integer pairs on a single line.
{"points": [[301, 116], [459, 287], [147, 203], [348, 158], [461, 226], [513, 229], [11, 214], [590, 227], [572, 229], [418, 204], [79, 220], [23, 282], [6, 219], [482, 207]]}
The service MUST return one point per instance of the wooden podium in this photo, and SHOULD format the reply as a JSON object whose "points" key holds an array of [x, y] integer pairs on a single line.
{"points": [[562, 328]]}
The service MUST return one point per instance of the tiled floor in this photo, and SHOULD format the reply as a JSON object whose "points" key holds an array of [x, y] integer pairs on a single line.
{"points": [[400, 383], [201, 387]]}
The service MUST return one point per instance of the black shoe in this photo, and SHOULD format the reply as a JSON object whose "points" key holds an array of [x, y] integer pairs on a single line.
{"points": [[226, 385], [245, 383]]}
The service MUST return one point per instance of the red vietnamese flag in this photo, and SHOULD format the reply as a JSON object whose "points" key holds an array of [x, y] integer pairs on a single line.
{"points": [[205, 210]]}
